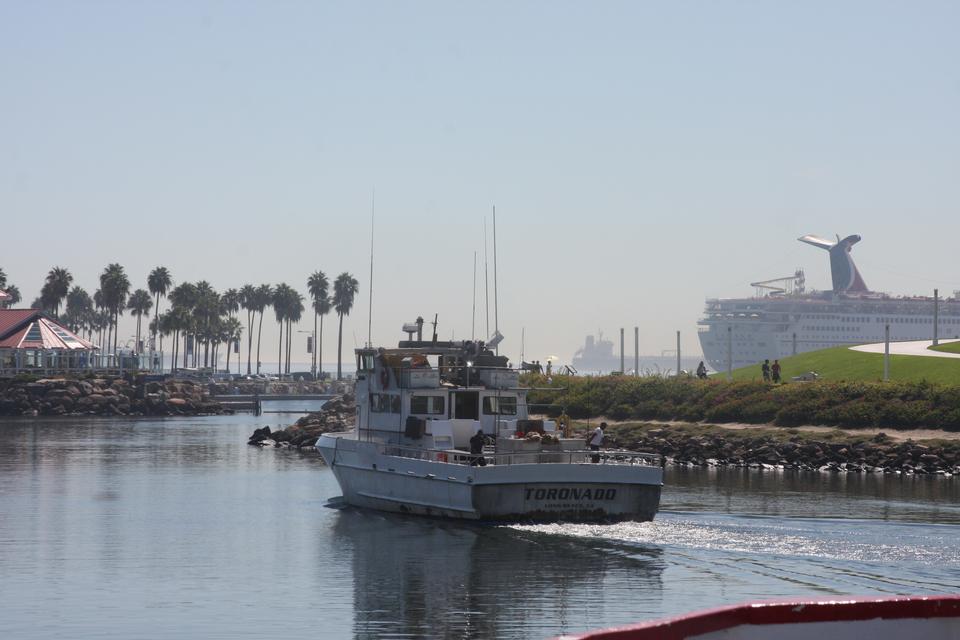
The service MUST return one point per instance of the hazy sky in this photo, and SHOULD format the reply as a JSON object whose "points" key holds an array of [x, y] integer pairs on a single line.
{"points": [[642, 156]]}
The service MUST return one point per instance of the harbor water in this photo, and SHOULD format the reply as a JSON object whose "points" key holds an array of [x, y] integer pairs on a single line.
{"points": [[157, 528]]}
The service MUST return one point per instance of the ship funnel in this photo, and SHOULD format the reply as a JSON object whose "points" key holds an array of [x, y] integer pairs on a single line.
{"points": [[846, 277]]}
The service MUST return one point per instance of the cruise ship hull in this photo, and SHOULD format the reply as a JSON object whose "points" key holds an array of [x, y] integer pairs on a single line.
{"points": [[746, 331]]}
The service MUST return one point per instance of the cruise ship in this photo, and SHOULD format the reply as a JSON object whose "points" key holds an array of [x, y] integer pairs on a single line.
{"points": [[784, 319]]}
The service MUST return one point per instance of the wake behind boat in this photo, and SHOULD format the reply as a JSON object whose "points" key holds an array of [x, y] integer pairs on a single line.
{"points": [[418, 408]]}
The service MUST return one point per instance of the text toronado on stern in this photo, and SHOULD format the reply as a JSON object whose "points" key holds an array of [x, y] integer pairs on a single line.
{"points": [[419, 405]]}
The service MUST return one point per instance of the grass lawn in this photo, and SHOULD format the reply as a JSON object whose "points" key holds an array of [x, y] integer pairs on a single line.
{"points": [[950, 347], [840, 363]]}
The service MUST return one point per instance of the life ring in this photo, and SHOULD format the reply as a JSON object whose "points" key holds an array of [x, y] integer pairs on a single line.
{"points": [[384, 378]]}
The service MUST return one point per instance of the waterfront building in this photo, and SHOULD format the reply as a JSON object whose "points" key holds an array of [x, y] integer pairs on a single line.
{"points": [[33, 342]]}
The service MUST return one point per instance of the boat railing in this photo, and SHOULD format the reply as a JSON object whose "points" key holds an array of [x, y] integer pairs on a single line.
{"points": [[576, 456]]}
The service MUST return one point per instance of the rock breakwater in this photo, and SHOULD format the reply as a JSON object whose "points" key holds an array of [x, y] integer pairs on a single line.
{"points": [[103, 397], [337, 414], [782, 449]]}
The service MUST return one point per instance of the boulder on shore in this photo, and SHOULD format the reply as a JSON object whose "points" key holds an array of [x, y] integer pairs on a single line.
{"points": [[23, 395]]}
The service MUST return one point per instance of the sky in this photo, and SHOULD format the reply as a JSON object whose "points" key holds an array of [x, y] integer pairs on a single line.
{"points": [[641, 156]]}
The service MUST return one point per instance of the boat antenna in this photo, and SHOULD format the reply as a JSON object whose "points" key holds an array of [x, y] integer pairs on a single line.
{"points": [[473, 313], [373, 210], [486, 278], [435, 327], [496, 323], [523, 340]]}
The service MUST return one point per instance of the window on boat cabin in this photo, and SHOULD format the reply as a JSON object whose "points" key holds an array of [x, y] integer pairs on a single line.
{"points": [[427, 405], [384, 403], [503, 405], [365, 362]]}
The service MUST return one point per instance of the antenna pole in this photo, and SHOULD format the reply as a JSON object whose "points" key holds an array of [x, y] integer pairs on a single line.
{"points": [[486, 278], [473, 313], [496, 322], [373, 210]]}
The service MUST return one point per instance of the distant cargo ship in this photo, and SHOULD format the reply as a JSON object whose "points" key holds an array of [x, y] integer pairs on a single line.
{"points": [[784, 319]]}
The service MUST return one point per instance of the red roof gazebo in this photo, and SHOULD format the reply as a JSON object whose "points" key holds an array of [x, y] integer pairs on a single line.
{"points": [[29, 340]]}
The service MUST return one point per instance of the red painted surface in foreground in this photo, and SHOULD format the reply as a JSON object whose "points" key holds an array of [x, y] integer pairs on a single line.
{"points": [[780, 612]]}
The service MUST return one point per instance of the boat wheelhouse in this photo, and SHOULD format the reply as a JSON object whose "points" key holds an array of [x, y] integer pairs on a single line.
{"points": [[418, 407]]}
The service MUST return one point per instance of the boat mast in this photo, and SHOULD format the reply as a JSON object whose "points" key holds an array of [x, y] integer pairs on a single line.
{"points": [[496, 323], [486, 277], [373, 210], [473, 312]]}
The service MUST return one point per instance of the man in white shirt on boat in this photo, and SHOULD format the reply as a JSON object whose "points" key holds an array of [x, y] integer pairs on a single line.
{"points": [[595, 441]]}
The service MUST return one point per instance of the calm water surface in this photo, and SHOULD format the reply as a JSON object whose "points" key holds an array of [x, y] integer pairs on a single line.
{"points": [[147, 528]]}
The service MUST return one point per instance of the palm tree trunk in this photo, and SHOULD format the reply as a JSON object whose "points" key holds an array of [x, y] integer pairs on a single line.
{"points": [[280, 352], [289, 342], [319, 349], [340, 348], [313, 356], [249, 337], [259, 333], [116, 329]]}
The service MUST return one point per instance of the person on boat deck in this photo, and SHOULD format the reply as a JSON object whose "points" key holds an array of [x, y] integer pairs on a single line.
{"points": [[476, 447], [595, 441]]}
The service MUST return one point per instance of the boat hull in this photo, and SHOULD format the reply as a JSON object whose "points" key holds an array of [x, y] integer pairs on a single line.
{"points": [[890, 618], [497, 493]]}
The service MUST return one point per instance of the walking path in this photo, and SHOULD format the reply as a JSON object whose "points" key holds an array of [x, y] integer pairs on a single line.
{"points": [[911, 348]]}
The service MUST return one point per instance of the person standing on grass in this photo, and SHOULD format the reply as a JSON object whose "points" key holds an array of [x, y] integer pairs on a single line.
{"points": [[765, 369], [775, 370]]}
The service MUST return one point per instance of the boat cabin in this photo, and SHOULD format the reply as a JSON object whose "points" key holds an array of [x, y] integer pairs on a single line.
{"points": [[437, 395]]}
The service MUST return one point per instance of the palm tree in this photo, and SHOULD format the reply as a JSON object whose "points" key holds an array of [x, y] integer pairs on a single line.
{"points": [[247, 299], [207, 313], [263, 299], [294, 313], [344, 289], [14, 292], [115, 287], [139, 304], [3, 288], [183, 299], [281, 309], [57, 286], [318, 286], [158, 283], [79, 312], [230, 333]]}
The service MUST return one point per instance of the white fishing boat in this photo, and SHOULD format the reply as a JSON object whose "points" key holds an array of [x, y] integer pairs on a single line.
{"points": [[892, 618], [418, 407]]}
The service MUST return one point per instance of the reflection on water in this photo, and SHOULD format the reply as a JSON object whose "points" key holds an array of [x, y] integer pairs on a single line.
{"points": [[934, 499], [416, 577], [157, 528]]}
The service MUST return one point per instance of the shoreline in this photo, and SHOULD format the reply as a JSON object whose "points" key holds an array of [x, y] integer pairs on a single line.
{"points": [[766, 447]]}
